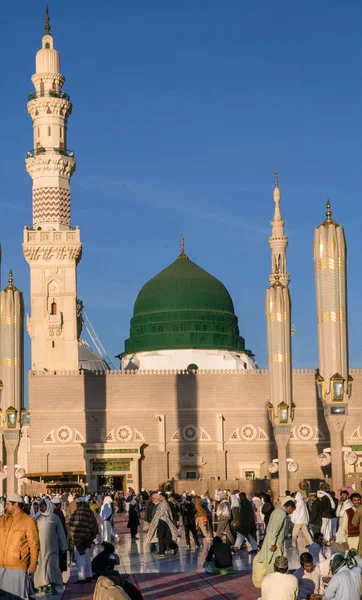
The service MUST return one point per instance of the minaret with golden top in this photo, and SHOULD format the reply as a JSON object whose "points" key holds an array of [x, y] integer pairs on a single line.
{"points": [[11, 376], [278, 319], [334, 382]]}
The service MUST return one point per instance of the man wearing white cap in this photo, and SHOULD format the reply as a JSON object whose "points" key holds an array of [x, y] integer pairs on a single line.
{"points": [[19, 548]]}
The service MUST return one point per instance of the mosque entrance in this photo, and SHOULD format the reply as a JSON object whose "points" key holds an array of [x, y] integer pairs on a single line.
{"points": [[112, 482]]}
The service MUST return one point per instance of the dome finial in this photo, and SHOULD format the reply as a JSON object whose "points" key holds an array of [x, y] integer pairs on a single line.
{"points": [[11, 285], [328, 211], [47, 21], [182, 246], [276, 193]]}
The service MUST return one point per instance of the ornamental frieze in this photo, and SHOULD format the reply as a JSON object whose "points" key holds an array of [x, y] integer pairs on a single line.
{"points": [[71, 252], [46, 164], [43, 105]]}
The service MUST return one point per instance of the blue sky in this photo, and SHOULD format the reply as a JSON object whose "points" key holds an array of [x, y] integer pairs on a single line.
{"points": [[181, 112]]}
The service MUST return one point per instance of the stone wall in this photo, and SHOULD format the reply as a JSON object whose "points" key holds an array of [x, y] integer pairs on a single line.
{"points": [[215, 424]]}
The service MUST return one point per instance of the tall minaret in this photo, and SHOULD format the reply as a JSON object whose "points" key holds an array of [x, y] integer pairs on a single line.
{"points": [[278, 319], [334, 381], [11, 376], [51, 247]]}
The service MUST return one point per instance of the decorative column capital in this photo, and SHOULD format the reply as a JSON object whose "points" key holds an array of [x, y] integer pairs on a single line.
{"points": [[12, 439]]}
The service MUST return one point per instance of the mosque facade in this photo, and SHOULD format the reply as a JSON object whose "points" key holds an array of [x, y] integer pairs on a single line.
{"points": [[189, 405]]}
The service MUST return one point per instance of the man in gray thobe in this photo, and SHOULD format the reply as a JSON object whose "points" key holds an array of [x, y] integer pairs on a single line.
{"points": [[273, 544]]}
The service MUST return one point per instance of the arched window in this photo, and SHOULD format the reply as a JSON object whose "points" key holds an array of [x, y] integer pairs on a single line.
{"points": [[182, 327], [197, 327], [204, 328], [175, 327], [160, 329], [202, 340], [153, 329], [53, 308]]}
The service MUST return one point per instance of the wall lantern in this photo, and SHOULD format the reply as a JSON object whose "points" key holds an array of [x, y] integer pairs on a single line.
{"points": [[337, 387], [11, 414], [321, 387], [271, 412], [349, 385], [283, 412]]}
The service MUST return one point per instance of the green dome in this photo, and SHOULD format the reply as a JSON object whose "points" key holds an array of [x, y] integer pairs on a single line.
{"points": [[183, 307]]}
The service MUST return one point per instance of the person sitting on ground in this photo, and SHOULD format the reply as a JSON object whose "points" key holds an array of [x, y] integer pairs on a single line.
{"points": [[219, 558], [105, 561], [346, 578], [309, 577], [115, 587], [320, 554], [279, 585]]}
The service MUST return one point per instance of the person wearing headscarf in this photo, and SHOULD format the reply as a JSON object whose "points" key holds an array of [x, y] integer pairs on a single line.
{"points": [[300, 518], [52, 541], [162, 527], [259, 517], [223, 513], [201, 517], [57, 501], [34, 511], [346, 578], [327, 507], [83, 528], [106, 519], [273, 544], [219, 558], [243, 522], [133, 516]]}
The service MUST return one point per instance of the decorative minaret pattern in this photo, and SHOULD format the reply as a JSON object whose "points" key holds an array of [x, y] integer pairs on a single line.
{"points": [[11, 375], [334, 382], [51, 247], [278, 319], [278, 241]]}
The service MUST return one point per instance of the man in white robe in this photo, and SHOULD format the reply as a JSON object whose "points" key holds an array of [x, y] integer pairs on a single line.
{"points": [[106, 519], [273, 544], [52, 541], [300, 518], [279, 585]]}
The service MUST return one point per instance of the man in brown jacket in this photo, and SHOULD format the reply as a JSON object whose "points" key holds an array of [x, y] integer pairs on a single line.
{"points": [[19, 548]]}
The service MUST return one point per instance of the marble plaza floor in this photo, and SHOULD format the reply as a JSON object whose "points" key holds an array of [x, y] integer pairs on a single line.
{"points": [[178, 577]]}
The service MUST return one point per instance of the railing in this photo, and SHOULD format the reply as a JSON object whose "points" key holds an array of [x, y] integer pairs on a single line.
{"points": [[41, 150], [51, 93]]}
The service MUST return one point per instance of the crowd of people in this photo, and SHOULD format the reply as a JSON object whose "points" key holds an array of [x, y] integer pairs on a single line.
{"points": [[39, 533], [331, 568]]}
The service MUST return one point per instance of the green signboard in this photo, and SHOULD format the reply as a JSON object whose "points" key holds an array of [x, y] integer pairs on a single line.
{"points": [[111, 465], [112, 451]]}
